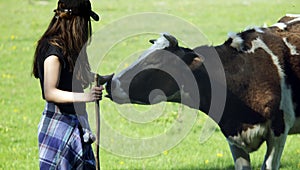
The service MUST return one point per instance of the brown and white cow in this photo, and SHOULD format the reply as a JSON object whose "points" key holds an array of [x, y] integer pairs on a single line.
{"points": [[262, 72]]}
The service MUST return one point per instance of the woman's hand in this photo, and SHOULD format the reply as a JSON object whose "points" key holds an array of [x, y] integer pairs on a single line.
{"points": [[95, 94]]}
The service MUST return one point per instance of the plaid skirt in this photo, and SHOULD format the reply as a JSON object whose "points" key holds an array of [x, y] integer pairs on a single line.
{"points": [[61, 144]]}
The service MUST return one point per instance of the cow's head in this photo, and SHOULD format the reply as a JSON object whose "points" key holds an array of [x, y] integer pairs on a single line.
{"points": [[158, 75]]}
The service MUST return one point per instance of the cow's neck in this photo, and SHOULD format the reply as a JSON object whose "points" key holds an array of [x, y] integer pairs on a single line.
{"points": [[204, 86], [211, 73], [204, 80]]}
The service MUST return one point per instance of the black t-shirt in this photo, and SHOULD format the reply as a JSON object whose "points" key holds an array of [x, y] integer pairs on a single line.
{"points": [[66, 80]]}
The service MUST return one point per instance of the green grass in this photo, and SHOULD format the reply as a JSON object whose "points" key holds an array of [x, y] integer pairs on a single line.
{"points": [[23, 22]]}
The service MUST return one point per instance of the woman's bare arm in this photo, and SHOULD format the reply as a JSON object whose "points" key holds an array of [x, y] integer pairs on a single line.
{"points": [[52, 69]]}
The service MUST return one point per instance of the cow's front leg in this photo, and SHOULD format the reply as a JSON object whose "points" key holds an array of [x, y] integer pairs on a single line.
{"points": [[241, 158], [275, 146]]}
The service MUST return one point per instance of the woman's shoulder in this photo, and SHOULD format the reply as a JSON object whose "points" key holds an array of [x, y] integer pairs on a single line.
{"points": [[53, 49], [49, 49]]}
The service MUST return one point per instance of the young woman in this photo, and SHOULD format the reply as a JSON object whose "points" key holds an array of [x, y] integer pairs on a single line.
{"points": [[61, 64]]}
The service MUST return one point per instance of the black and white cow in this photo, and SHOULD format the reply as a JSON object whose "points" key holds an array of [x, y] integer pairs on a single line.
{"points": [[262, 70]]}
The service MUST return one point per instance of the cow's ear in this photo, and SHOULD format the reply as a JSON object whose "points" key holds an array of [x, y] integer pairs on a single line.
{"points": [[152, 41], [193, 60], [196, 63], [173, 41]]}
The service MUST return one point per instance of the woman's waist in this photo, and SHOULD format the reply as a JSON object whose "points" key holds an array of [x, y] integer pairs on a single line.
{"points": [[66, 108]]}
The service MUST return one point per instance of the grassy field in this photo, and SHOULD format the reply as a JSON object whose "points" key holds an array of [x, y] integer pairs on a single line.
{"points": [[23, 22]]}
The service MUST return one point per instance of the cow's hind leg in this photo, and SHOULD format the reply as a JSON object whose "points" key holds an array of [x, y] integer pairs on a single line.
{"points": [[275, 146], [241, 158]]}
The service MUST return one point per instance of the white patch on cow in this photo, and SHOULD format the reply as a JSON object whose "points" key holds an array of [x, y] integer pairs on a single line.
{"points": [[280, 25], [293, 15], [283, 26], [286, 103], [258, 43], [275, 146], [241, 158], [249, 139], [256, 28], [293, 49], [237, 41], [293, 21]]}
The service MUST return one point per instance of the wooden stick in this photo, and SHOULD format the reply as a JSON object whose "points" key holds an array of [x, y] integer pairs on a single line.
{"points": [[97, 111], [100, 80]]}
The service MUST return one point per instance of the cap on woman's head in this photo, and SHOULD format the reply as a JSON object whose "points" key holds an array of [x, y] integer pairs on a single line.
{"points": [[77, 8]]}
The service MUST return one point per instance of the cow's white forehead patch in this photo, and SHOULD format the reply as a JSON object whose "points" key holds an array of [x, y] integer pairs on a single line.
{"points": [[161, 42]]}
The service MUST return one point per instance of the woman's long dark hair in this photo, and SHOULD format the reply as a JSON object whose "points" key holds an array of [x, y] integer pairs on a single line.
{"points": [[70, 33]]}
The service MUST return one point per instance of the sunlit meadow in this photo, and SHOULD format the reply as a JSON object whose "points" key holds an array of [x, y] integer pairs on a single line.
{"points": [[21, 105]]}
